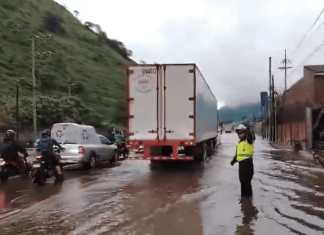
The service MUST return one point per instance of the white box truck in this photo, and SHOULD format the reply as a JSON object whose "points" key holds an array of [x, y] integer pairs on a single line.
{"points": [[172, 112]]}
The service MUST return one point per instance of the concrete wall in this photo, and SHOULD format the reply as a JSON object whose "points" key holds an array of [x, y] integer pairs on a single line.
{"points": [[293, 131]]}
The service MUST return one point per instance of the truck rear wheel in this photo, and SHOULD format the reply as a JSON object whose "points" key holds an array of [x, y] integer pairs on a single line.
{"points": [[209, 146], [201, 152]]}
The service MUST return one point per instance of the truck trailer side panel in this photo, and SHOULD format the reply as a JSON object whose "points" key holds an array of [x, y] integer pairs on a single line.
{"points": [[206, 110]]}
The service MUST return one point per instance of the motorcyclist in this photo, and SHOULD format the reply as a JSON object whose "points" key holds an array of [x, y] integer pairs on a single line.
{"points": [[121, 144], [46, 146], [10, 152]]}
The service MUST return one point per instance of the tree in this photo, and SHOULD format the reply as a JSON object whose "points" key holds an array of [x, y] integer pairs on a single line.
{"points": [[96, 28], [53, 23], [118, 46], [76, 13]]}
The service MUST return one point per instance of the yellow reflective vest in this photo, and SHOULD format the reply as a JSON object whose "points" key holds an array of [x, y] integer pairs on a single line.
{"points": [[244, 150]]}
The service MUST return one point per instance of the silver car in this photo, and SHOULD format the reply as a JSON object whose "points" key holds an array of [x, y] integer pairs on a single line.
{"points": [[83, 146], [88, 156]]}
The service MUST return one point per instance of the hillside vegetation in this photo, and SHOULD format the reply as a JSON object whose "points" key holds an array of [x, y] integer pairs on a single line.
{"points": [[81, 73]]}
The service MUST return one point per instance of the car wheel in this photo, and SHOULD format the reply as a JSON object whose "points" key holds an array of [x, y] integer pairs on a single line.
{"points": [[115, 158], [92, 162]]}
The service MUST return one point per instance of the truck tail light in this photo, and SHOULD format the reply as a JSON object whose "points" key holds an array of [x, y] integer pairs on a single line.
{"points": [[188, 143], [81, 150], [134, 143]]}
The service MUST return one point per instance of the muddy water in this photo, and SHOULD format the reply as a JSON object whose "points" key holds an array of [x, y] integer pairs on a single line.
{"points": [[134, 198]]}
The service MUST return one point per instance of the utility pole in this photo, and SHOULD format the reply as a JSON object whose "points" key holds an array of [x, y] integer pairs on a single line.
{"points": [[33, 52], [285, 64], [34, 89], [17, 111], [273, 129], [285, 61], [269, 100]]}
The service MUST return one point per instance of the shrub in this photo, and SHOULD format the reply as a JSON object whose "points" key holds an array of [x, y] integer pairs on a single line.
{"points": [[53, 23]]}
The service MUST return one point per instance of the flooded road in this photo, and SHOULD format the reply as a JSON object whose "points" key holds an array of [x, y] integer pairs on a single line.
{"points": [[135, 198]]}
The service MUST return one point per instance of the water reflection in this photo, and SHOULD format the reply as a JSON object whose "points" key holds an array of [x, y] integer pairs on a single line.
{"points": [[249, 216], [3, 203]]}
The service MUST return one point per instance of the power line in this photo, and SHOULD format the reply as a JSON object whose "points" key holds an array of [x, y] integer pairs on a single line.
{"points": [[304, 37], [309, 56], [306, 34], [319, 26], [317, 49]]}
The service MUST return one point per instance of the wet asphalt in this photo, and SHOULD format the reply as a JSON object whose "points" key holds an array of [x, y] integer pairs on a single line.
{"points": [[137, 198]]}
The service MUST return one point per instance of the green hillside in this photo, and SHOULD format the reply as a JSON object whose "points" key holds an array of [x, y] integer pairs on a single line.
{"points": [[81, 73]]}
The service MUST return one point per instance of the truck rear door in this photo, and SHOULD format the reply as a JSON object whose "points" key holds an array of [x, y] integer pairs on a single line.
{"points": [[179, 95], [143, 102]]}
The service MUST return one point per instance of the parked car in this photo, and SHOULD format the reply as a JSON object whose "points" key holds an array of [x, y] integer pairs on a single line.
{"points": [[83, 146]]}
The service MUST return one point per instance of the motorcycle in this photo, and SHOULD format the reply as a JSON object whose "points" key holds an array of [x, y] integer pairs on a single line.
{"points": [[12, 168], [122, 150], [42, 170]]}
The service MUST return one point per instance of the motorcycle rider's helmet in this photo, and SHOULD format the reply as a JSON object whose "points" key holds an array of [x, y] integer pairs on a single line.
{"points": [[10, 135]]}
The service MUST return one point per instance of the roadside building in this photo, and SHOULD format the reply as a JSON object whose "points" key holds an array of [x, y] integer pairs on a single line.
{"points": [[300, 117]]}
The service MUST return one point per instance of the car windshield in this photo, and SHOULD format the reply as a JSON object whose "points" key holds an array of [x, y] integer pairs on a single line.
{"points": [[104, 140]]}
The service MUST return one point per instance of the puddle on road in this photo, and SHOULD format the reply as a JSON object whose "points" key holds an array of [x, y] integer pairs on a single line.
{"points": [[294, 187], [288, 194]]}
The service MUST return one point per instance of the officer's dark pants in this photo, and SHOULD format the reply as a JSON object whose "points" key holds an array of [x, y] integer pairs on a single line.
{"points": [[246, 174]]}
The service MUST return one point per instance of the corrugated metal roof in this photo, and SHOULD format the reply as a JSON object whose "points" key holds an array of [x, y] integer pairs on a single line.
{"points": [[315, 68]]}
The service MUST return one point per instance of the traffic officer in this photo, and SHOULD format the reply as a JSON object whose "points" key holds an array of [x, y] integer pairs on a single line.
{"points": [[244, 154]]}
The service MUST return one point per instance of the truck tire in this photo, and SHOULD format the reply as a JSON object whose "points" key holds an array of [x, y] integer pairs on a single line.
{"points": [[200, 152], [210, 148], [205, 152]]}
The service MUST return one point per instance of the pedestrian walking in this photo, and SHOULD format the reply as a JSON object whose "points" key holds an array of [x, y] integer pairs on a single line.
{"points": [[244, 156]]}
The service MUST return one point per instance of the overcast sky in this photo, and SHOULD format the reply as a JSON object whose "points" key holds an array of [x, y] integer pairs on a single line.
{"points": [[230, 40]]}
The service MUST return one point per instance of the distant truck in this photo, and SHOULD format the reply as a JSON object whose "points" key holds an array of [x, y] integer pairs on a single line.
{"points": [[172, 112]]}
